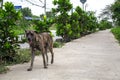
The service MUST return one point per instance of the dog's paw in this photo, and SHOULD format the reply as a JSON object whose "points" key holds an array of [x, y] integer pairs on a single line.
{"points": [[45, 67], [29, 69], [51, 62]]}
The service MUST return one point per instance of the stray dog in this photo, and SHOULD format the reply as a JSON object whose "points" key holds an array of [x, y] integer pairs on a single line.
{"points": [[41, 42]]}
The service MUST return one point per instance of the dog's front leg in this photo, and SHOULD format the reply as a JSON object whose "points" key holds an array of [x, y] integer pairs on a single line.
{"points": [[32, 59]]}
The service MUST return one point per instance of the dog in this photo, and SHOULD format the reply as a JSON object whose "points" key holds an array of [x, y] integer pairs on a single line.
{"points": [[41, 42]]}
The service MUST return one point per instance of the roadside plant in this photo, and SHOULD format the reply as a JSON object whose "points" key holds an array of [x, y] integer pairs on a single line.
{"points": [[75, 27], [8, 38], [43, 25], [105, 24], [62, 18], [116, 32]]}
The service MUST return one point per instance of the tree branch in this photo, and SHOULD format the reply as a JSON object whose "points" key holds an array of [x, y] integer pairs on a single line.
{"points": [[35, 4], [41, 1]]}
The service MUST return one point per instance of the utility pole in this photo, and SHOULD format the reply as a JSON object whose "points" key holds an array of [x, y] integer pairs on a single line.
{"points": [[86, 7], [83, 2], [83, 6], [1, 3], [45, 7]]}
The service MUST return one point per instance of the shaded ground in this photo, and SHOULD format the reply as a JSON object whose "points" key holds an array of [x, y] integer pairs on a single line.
{"points": [[93, 57]]}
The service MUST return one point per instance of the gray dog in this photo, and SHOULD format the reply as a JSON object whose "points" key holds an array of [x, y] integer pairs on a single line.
{"points": [[41, 42]]}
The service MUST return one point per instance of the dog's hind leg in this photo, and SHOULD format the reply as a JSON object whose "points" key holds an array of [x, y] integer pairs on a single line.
{"points": [[46, 55], [43, 55], [52, 54], [32, 57]]}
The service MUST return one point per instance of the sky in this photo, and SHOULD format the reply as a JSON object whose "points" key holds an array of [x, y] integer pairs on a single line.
{"points": [[91, 5]]}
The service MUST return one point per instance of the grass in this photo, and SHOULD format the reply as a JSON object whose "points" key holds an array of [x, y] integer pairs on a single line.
{"points": [[3, 69], [116, 32], [58, 44], [22, 56]]}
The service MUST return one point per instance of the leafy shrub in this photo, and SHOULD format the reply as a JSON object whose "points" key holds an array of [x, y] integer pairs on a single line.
{"points": [[116, 32], [43, 25], [104, 24], [75, 28], [8, 38], [40, 26], [79, 23], [62, 20]]}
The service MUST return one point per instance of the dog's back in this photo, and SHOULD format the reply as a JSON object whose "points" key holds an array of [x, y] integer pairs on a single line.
{"points": [[47, 38]]}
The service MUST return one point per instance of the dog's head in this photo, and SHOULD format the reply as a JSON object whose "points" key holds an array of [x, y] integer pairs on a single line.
{"points": [[30, 35]]}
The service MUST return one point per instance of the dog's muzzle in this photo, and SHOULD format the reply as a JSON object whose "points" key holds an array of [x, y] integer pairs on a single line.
{"points": [[30, 41]]}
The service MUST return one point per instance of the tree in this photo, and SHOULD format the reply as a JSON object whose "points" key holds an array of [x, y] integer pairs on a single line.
{"points": [[74, 25], [115, 9], [87, 21], [23, 23], [8, 38], [62, 18], [82, 20], [106, 12], [26, 12], [105, 24], [92, 22], [75, 28], [112, 11], [42, 25], [50, 14]]}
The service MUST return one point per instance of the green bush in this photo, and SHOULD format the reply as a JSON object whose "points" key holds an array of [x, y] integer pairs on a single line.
{"points": [[43, 25], [8, 38], [105, 24], [58, 44], [62, 20], [3, 69], [74, 25], [116, 32]]}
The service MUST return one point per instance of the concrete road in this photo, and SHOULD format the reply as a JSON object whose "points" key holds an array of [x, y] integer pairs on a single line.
{"points": [[93, 57]]}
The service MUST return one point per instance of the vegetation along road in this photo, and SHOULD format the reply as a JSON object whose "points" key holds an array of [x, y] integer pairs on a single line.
{"points": [[93, 57]]}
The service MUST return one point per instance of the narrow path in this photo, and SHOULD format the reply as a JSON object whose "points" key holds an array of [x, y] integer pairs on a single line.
{"points": [[93, 57]]}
